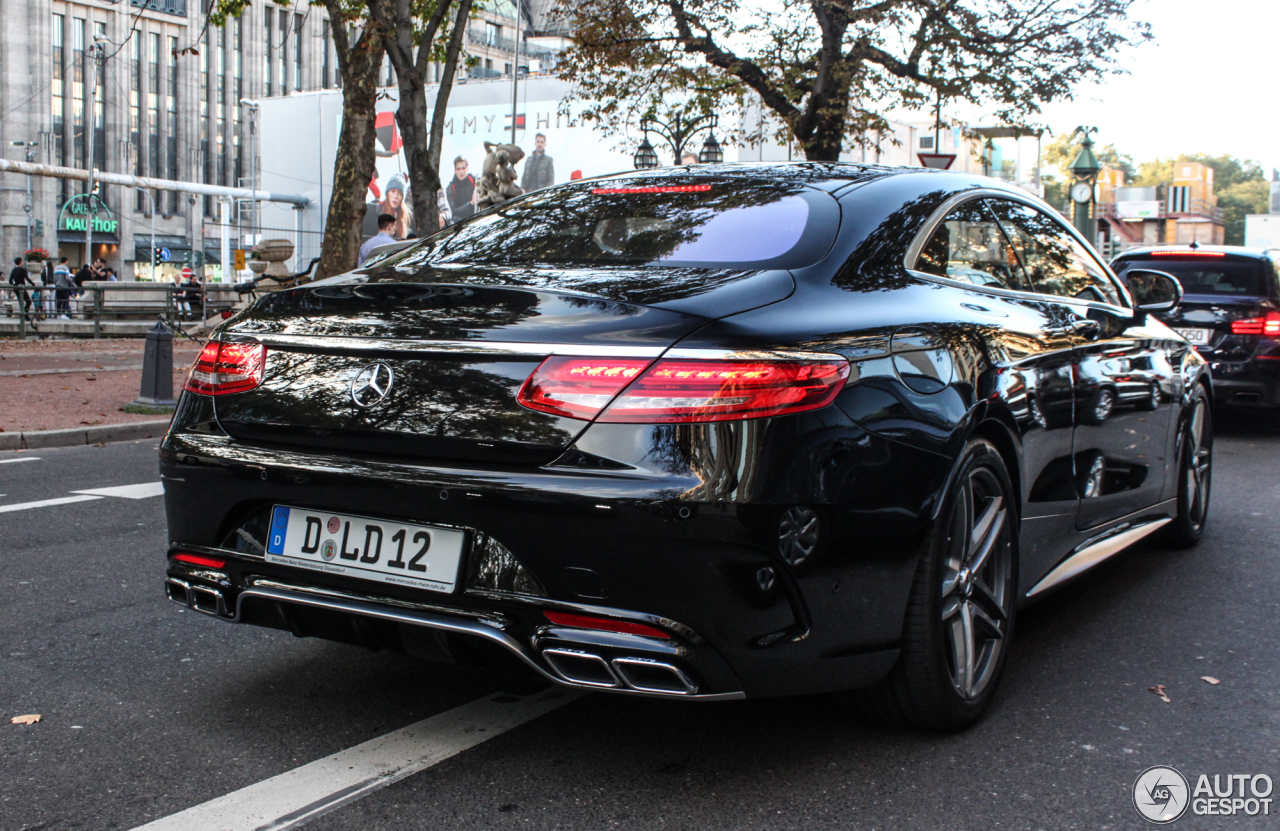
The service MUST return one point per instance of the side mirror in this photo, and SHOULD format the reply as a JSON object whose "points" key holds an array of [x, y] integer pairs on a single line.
{"points": [[1153, 291]]}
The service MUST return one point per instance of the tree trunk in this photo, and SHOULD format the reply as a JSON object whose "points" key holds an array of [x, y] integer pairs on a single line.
{"points": [[353, 166], [424, 180]]}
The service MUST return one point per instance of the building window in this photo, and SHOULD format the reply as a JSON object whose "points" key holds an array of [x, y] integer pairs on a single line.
{"points": [[492, 33], [58, 92], [220, 106], [171, 125], [237, 76], [327, 46], [926, 142], [281, 56], [153, 110], [297, 53], [77, 91], [205, 159], [268, 17], [100, 111], [135, 113]]}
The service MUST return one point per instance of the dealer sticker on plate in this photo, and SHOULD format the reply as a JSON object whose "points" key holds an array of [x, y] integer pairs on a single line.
{"points": [[1195, 337], [423, 556]]}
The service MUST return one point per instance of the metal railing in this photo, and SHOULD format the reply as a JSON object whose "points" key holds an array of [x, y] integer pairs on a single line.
{"points": [[98, 301]]}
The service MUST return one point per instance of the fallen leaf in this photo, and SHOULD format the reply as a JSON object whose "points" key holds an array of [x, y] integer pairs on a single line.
{"points": [[1158, 689], [101, 444], [90, 378], [31, 719], [1210, 679]]}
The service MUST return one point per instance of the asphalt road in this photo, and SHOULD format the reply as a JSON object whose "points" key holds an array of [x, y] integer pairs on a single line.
{"points": [[148, 709]]}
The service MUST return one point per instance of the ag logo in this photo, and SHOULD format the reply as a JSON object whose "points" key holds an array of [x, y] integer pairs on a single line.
{"points": [[371, 385], [1161, 794]]}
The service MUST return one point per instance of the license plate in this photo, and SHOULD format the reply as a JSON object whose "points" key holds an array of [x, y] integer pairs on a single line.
{"points": [[1195, 337], [422, 556]]}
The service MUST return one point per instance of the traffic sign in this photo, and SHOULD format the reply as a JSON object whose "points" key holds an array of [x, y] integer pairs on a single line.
{"points": [[937, 161], [240, 259], [165, 255]]}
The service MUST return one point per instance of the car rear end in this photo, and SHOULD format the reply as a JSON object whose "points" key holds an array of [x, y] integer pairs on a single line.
{"points": [[1230, 313], [514, 461]]}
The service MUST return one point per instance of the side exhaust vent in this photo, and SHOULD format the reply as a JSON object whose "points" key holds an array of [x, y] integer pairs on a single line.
{"points": [[581, 667], [648, 675]]}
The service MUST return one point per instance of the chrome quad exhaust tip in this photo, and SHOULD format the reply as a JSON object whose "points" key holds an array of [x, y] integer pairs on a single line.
{"points": [[194, 596], [635, 674]]}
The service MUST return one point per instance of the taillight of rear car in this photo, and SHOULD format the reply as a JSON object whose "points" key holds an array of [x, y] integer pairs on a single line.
{"points": [[674, 391], [1268, 326], [224, 368]]}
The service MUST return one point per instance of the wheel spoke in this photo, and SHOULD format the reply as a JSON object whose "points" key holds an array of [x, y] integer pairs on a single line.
{"points": [[984, 625], [957, 548], [991, 526], [961, 629], [985, 599]]}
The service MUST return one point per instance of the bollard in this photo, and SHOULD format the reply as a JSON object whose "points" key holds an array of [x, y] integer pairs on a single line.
{"points": [[157, 369]]}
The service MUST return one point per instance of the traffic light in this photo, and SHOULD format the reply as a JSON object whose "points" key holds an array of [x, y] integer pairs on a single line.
{"points": [[38, 229]]}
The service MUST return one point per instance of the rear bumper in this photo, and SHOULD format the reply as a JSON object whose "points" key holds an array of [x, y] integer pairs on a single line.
{"points": [[1246, 384], [741, 620]]}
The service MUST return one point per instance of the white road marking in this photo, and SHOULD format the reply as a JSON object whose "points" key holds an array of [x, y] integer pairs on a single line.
{"points": [[62, 500], [143, 491], [23, 459], [18, 373], [304, 793]]}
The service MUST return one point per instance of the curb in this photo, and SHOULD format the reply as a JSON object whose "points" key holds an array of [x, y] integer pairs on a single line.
{"points": [[83, 435]]}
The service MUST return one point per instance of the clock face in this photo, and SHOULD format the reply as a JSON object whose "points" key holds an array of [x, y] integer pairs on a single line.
{"points": [[1082, 191]]}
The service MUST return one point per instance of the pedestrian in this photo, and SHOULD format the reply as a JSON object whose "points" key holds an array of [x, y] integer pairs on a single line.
{"points": [[19, 278], [63, 284], [111, 275], [46, 295], [83, 275], [190, 293], [461, 191], [689, 159], [394, 203], [386, 224], [539, 172]]}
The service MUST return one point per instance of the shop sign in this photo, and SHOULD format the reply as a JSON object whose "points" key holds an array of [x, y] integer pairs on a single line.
{"points": [[84, 208]]}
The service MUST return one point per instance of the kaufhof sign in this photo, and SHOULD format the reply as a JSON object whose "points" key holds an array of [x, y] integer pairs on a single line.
{"points": [[83, 209], [1162, 795]]}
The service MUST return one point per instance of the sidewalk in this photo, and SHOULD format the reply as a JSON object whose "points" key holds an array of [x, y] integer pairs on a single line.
{"points": [[76, 384]]}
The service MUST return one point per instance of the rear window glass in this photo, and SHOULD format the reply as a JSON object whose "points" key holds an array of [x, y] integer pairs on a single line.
{"points": [[715, 224], [1233, 278]]}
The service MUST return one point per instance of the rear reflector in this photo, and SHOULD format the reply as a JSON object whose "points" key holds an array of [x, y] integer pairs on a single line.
{"points": [[1189, 253], [656, 189], [1268, 326], [604, 624], [680, 392], [197, 560], [224, 368]]}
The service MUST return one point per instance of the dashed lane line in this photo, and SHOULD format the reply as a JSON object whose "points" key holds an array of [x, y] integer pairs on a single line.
{"points": [[304, 793], [23, 459], [44, 503], [144, 491]]}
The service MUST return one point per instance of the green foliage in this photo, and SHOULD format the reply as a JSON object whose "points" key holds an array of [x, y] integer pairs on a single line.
{"points": [[828, 70], [1062, 151]]}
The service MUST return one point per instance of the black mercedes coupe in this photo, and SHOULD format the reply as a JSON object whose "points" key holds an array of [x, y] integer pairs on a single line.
{"points": [[703, 433]]}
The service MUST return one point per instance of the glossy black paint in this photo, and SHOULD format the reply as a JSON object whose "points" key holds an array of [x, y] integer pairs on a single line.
{"points": [[679, 525], [1245, 368]]}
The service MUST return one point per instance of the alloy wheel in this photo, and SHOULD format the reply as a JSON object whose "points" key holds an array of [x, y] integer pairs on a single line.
{"points": [[1197, 467], [977, 591]]}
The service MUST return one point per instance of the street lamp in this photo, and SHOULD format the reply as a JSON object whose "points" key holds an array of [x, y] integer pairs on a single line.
{"points": [[645, 158], [31, 157], [711, 150]]}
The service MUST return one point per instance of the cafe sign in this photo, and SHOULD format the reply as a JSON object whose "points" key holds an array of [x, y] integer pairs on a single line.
{"points": [[84, 208]]}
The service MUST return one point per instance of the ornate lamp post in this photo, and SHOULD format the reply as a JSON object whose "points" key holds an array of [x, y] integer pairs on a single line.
{"points": [[1085, 170], [677, 133]]}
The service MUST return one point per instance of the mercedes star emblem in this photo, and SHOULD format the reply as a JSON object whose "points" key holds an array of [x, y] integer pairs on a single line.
{"points": [[371, 385]]}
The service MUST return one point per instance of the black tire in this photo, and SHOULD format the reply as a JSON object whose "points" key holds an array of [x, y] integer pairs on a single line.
{"points": [[1152, 400], [953, 600], [1100, 406], [1195, 474]]}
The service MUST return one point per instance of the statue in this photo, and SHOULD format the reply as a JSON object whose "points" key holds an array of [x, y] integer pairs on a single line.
{"points": [[498, 182]]}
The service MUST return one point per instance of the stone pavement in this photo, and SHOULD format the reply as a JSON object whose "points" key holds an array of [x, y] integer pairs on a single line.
{"points": [[65, 384]]}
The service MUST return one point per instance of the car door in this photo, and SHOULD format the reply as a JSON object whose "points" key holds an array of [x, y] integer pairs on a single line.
{"points": [[1030, 341], [1123, 380]]}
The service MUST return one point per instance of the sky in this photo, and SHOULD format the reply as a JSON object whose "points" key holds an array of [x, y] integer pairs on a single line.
{"points": [[1209, 82]]}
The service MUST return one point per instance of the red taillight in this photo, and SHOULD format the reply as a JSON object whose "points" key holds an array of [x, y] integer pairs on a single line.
{"points": [[656, 189], [680, 391], [604, 624], [1268, 326], [1189, 253], [224, 368], [197, 560]]}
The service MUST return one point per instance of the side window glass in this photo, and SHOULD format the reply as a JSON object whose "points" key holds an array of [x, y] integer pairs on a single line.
{"points": [[970, 247], [1054, 261]]}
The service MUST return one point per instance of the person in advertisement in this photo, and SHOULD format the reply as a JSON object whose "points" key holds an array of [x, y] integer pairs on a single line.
{"points": [[539, 172], [461, 191], [396, 203]]}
